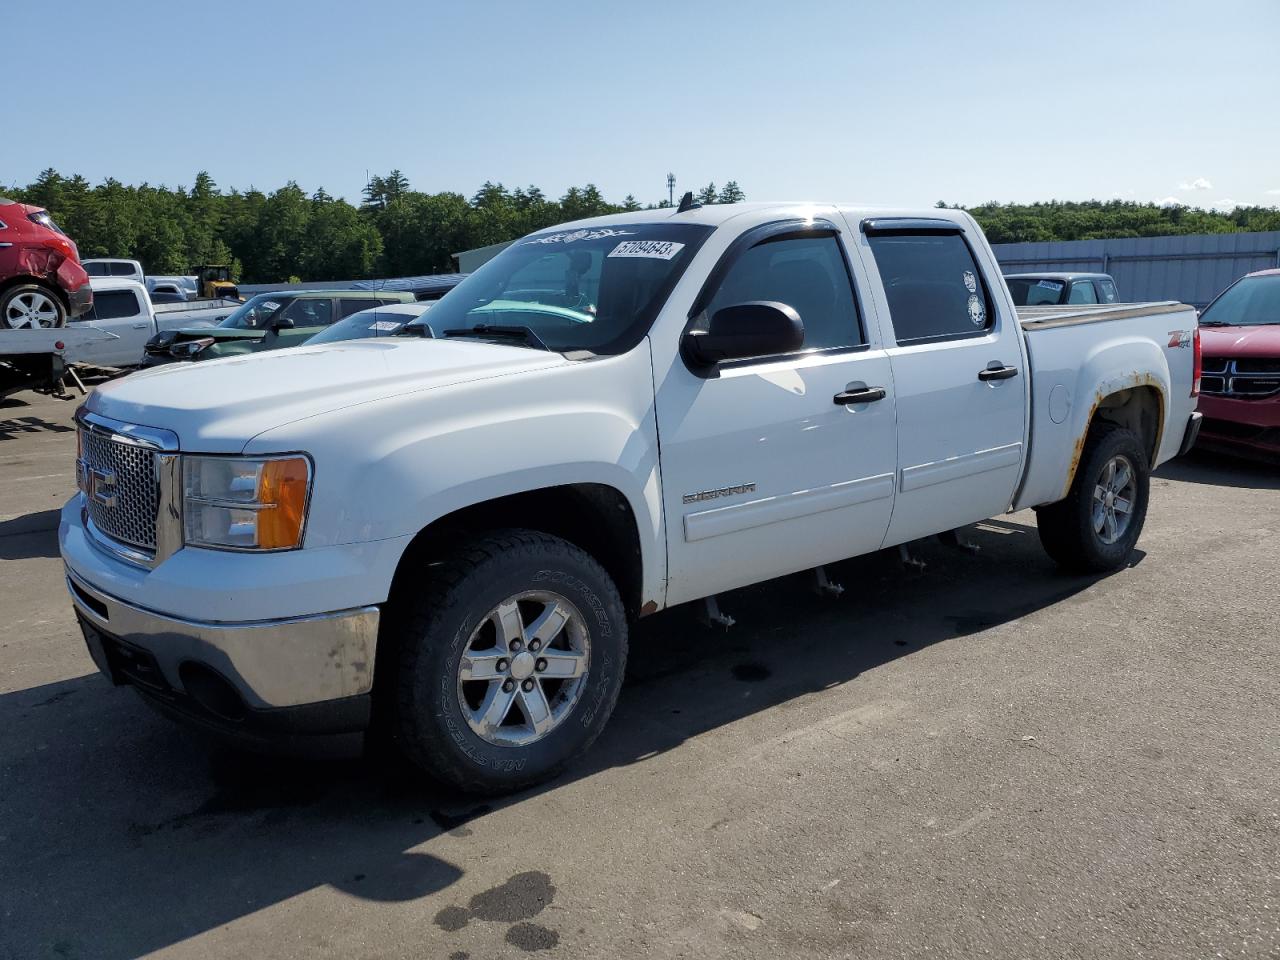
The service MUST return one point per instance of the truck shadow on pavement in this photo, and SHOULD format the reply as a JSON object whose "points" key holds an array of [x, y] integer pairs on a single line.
{"points": [[29, 536], [1221, 471], [123, 834]]}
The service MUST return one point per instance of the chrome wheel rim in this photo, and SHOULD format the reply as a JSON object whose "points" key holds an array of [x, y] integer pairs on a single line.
{"points": [[1113, 499], [524, 668], [31, 310]]}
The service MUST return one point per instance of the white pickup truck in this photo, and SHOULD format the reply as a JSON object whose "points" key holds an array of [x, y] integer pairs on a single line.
{"points": [[123, 310], [615, 417]]}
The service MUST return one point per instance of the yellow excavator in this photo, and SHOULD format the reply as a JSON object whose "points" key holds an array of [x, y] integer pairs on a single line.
{"points": [[215, 283]]}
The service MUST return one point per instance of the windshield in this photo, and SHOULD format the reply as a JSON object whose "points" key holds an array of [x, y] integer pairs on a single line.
{"points": [[257, 312], [365, 324], [1253, 301], [1030, 292], [593, 289]]}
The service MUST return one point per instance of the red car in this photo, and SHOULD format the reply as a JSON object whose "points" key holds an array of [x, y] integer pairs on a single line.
{"points": [[41, 280], [1240, 382]]}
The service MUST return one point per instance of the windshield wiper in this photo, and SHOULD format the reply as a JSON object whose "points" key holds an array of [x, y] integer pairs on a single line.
{"points": [[502, 332]]}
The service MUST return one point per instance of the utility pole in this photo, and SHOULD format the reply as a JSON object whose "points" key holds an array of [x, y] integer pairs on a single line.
{"points": [[671, 189]]}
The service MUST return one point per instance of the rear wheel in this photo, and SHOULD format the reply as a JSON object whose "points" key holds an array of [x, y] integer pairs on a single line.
{"points": [[30, 306], [1095, 528], [510, 664]]}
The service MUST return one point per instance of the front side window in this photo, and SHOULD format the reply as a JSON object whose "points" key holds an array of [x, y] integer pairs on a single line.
{"points": [[1253, 301], [808, 274], [309, 312], [258, 313], [596, 288], [934, 287], [1082, 292], [112, 305], [1030, 292]]}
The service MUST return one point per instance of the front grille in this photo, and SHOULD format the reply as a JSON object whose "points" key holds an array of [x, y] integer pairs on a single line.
{"points": [[1246, 379], [122, 490]]}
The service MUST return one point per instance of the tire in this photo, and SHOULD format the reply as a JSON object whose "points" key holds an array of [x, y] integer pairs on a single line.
{"points": [[30, 305], [444, 722], [1082, 533]]}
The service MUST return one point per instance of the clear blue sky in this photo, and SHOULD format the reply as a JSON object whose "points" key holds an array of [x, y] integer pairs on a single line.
{"points": [[882, 102]]}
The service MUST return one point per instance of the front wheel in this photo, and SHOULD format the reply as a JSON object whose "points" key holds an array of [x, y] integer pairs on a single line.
{"points": [[1094, 529], [30, 306], [509, 665]]}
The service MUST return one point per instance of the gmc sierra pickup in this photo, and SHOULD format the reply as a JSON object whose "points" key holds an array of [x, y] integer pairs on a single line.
{"points": [[616, 416]]}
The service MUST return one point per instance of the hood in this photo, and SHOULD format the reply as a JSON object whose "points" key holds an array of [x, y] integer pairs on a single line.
{"points": [[1260, 341], [218, 406]]}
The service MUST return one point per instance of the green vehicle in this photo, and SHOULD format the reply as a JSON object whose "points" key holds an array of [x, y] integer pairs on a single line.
{"points": [[268, 321]]}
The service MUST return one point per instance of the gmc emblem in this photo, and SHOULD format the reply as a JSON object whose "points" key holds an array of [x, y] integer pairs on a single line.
{"points": [[101, 487]]}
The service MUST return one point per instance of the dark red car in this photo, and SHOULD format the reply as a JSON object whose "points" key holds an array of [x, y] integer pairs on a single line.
{"points": [[41, 280], [1240, 382]]}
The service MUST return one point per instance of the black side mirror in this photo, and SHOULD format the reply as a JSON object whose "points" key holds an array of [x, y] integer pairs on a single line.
{"points": [[761, 328], [282, 323]]}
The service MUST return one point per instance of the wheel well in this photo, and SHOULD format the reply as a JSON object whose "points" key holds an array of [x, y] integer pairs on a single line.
{"points": [[1138, 409], [592, 516], [39, 281]]}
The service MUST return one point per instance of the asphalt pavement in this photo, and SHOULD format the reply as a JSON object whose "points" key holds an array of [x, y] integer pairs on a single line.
{"points": [[984, 759]]}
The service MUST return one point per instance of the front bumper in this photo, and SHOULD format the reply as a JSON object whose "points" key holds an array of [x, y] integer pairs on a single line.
{"points": [[1241, 427], [299, 675]]}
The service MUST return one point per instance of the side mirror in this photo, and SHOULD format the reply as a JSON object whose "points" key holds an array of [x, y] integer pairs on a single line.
{"points": [[283, 323], [761, 328]]}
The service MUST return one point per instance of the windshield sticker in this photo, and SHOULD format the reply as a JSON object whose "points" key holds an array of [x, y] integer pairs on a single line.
{"points": [[386, 326], [270, 305], [650, 249], [1053, 285], [977, 312], [573, 236], [970, 281]]}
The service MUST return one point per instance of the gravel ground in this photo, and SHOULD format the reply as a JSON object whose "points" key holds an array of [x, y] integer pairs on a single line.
{"points": [[984, 759]]}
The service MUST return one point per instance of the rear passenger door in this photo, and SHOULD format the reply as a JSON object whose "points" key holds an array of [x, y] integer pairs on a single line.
{"points": [[121, 314], [958, 371]]}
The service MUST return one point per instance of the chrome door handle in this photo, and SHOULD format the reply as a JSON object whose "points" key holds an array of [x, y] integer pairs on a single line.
{"points": [[997, 371]]}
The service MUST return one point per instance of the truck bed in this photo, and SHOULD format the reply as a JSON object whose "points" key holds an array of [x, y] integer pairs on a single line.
{"points": [[1082, 354], [1041, 318]]}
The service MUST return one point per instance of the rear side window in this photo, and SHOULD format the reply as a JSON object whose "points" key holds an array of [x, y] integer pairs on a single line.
{"points": [[1082, 292], [96, 269], [349, 307], [112, 305], [1108, 289], [806, 273], [934, 288], [121, 269]]}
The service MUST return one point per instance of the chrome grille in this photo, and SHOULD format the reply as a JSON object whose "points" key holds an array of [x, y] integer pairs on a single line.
{"points": [[122, 490], [1246, 378]]}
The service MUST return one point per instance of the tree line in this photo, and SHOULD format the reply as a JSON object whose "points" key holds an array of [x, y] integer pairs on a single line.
{"points": [[288, 234]]}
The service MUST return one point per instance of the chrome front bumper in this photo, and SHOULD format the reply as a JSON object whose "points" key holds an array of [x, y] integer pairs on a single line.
{"points": [[271, 664]]}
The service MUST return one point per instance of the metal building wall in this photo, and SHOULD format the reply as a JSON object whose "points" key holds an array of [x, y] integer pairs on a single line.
{"points": [[1192, 269]]}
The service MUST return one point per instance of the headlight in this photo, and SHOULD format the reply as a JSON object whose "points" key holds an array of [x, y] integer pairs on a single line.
{"points": [[189, 348], [245, 503]]}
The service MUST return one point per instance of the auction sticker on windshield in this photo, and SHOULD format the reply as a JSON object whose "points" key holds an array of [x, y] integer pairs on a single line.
{"points": [[651, 249]]}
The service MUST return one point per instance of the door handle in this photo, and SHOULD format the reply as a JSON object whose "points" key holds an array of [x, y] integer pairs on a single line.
{"points": [[858, 393], [997, 371], [140, 326]]}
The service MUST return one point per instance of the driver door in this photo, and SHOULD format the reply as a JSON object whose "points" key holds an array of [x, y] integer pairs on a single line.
{"points": [[765, 469]]}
